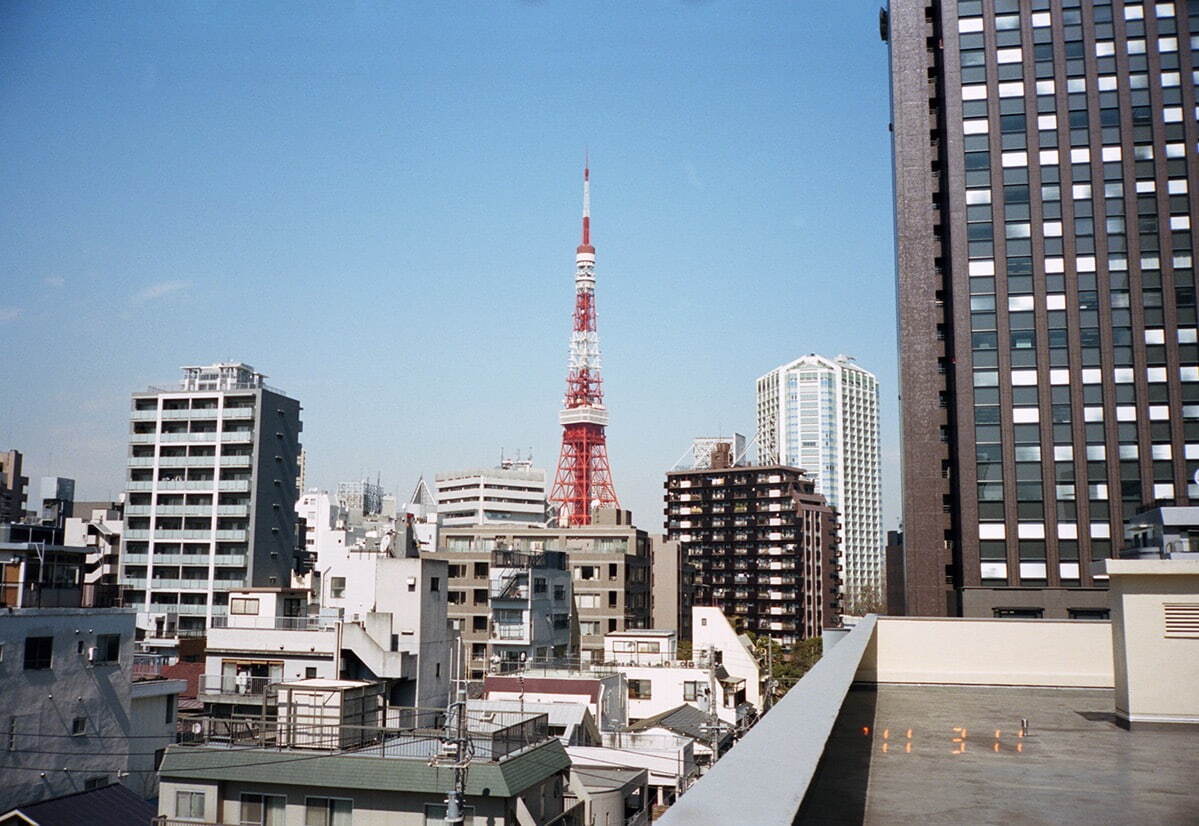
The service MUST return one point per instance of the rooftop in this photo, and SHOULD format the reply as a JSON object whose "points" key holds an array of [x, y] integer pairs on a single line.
{"points": [[954, 754], [112, 805]]}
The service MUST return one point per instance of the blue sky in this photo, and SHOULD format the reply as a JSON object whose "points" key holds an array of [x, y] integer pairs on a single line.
{"points": [[377, 205]]}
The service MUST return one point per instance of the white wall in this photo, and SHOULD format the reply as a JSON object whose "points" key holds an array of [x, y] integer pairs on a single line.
{"points": [[1074, 653], [710, 627]]}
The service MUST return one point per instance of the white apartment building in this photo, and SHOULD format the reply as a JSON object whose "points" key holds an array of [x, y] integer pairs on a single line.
{"points": [[100, 532], [211, 493], [371, 609], [821, 415], [514, 493]]}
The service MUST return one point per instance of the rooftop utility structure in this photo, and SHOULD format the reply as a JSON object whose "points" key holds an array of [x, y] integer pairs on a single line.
{"points": [[584, 480]]}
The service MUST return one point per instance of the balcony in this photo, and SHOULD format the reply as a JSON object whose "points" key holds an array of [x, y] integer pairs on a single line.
{"points": [[139, 485], [235, 461], [277, 623], [135, 559], [143, 415], [142, 438], [181, 559], [230, 560], [190, 413], [233, 510], [243, 686], [237, 485], [179, 584], [202, 436], [509, 632], [185, 484], [190, 533], [237, 413], [140, 461], [237, 436], [231, 535], [228, 584]]}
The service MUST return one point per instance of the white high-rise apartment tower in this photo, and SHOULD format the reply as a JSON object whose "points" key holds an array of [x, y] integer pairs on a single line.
{"points": [[821, 415], [211, 503]]}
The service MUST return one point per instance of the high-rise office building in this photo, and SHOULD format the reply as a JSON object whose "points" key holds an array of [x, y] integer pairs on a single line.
{"points": [[1044, 153], [821, 415], [211, 503]]}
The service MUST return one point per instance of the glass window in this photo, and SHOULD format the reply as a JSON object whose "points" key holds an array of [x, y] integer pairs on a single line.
{"points": [[328, 811], [640, 690], [38, 653], [263, 810], [189, 805]]}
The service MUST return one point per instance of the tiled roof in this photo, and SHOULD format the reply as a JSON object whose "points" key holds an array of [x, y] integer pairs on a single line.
{"points": [[112, 805]]}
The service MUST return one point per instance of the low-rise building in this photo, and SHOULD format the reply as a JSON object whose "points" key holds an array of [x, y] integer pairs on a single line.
{"points": [[605, 693], [611, 795], [368, 773], [76, 715], [530, 600], [609, 563], [668, 759], [513, 493], [374, 610], [99, 529]]}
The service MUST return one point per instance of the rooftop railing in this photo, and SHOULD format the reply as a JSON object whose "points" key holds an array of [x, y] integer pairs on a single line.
{"points": [[277, 623], [412, 733]]}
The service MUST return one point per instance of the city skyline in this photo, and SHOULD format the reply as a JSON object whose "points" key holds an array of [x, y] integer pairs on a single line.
{"points": [[337, 268]]}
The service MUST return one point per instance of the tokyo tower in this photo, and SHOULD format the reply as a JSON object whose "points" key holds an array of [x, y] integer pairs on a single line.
{"points": [[584, 480]]}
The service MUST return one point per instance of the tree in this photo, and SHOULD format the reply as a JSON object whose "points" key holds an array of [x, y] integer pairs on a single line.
{"points": [[790, 664], [865, 601]]}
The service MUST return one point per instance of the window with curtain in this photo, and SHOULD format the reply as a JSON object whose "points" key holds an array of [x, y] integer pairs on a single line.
{"points": [[263, 810], [328, 811]]}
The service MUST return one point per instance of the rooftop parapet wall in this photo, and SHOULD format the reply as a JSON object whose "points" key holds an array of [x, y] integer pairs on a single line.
{"points": [[1052, 653]]}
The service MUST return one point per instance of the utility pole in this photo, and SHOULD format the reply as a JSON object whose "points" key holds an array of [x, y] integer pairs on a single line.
{"points": [[769, 674], [456, 748], [713, 717]]}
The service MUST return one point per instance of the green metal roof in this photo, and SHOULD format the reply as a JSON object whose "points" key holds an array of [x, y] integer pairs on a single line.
{"points": [[295, 767]]}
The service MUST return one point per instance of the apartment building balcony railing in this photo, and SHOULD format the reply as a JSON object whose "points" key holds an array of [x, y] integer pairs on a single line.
{"points": [[233, 510], [186, 608], [185, 484], [230, 560], [134, 584], [140, 461], [228, 584], [237, 436], [237, 413], [278, 623], [505, 632], [231, 534], [180, 533], [239, 485], [235, 461], [179, 559], [189, 436], [242, 685], [180, 584]]}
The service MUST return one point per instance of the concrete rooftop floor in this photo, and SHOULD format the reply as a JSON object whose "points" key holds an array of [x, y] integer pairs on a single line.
{"points": [[952, 754]]}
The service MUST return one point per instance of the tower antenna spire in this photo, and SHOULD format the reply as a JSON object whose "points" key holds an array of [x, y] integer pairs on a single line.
{"points": [[586, 199]]}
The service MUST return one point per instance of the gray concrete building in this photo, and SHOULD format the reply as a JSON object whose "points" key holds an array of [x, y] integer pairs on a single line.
{"points": [[1049, 344], [673, 587], [609, 562], [211, 496]]}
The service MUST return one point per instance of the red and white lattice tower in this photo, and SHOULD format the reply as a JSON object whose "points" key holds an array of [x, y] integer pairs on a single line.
{"points": [[584, 480]]}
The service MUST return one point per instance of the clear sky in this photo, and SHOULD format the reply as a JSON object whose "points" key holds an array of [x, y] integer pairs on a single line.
{"points": [[377, 204]]}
